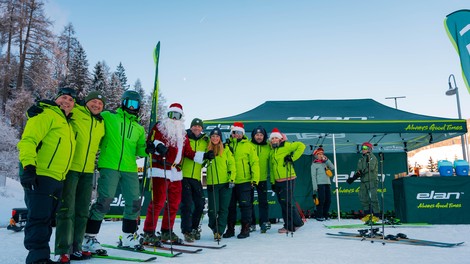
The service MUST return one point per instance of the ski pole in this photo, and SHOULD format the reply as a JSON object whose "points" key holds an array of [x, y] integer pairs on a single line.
{"points": [[167, 200]]}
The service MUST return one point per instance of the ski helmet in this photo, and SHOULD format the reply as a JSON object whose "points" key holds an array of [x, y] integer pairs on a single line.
{"points": [[368, 145], [131, 99]]}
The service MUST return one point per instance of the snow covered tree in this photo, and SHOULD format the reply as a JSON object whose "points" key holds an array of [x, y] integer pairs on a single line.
{"points": [[8, 151], [121, 74], [16, 108], [100, 79], [78, 76], [69, 44], [114, 93]]}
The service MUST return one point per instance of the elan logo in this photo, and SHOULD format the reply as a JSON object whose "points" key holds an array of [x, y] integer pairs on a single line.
{"points": [[438, 195], [339, 118]]}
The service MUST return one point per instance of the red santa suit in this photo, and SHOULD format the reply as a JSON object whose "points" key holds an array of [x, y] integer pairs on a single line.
{"points": [[166, 173]]}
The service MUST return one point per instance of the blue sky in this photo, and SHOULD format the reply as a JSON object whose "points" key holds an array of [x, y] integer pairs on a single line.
{"points": [[221, 58]]}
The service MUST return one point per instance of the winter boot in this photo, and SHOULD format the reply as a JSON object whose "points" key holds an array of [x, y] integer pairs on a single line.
{"points": [[189, 237], [130, 240], [170, 236], [196, 234], [149, 238], [245, 231], [263, 228], [64, 259], [230, 231], [80, 255], [91, 244]]}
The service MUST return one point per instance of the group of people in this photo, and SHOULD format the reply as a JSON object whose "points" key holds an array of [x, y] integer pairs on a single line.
{"points": [[58, 150]]}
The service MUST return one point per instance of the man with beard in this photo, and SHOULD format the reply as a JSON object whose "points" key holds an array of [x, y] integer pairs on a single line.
{"points": [[171, 145]]}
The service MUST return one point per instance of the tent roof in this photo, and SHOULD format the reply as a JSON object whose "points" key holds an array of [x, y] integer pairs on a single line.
{"points": [[351, 121]]}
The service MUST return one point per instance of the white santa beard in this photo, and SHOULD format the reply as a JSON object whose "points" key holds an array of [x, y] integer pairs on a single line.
{"points": [[173, 131]]}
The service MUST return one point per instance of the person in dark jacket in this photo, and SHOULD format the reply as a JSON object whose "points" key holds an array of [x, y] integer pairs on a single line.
{"points": [[46, 151]]}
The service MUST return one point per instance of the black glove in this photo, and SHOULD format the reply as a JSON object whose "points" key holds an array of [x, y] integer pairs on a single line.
{"points": [[209, 155], [34, 110], [161, 149], [150, 149], [354, 177], [288, 159], [29, 178], [275, 188]]}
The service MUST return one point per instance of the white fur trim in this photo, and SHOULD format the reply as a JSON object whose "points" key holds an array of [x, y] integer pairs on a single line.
{"points": [[156, 143], [234, 128], [275, 135], [175, 109], [172, 175], [199, 157]]}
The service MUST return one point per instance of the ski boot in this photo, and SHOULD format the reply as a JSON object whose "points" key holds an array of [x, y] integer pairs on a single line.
{"points": [[130, 240], [196, 234], [170, 236], [189, 237], [91, 244], [149, 238]]}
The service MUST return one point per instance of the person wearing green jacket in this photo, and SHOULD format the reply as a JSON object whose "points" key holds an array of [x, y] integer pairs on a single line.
{"points": [[124, 140], [259, 139], [73, 213], [367, 170], [282, 157], [46, 151], [247, 165], [192, 195], [221, 173]]}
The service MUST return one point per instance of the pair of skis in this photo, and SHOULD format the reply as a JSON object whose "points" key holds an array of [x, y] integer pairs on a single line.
{"points": [[177, 251], [399, 238]]}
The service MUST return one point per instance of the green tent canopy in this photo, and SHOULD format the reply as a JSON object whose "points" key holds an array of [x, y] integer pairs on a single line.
{"points": [[350, 122]]}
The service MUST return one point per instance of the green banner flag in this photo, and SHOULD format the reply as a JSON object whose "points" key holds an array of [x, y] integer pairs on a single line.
{"points": [[457, 25], [154, 113]]}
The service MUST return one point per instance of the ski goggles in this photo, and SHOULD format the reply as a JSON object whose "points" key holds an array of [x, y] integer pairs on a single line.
{"points": [[175, 115], [131, 103], [365, 148], [237, 132]]}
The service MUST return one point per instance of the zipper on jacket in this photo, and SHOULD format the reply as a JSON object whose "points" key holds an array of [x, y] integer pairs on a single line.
{"points": [[89, 143], [53, 154], [70, 156], [123, 128]]}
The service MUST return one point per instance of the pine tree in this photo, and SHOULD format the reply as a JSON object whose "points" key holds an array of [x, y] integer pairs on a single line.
{"points": [[68, 44], [100, 79], [114, 94], [121, 74], [432, 166], [78, 77]]}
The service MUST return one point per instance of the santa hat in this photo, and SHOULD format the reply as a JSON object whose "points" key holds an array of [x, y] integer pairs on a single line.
{"points": [[238, 126], [275, 134], [175, 107], [318, 150]]}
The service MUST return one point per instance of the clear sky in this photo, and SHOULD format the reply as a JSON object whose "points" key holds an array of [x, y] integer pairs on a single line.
{"points": [[222, 58]]}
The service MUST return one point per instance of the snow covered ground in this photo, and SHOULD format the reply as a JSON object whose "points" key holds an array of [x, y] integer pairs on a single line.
{"points": [[309, 244]]}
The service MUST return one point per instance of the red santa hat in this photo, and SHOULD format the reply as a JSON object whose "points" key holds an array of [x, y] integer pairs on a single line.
{"points": [[318, 150], [275, 134], [175, 107], [238, 126]]}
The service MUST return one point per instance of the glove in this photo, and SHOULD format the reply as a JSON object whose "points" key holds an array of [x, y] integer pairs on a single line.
{"points": [[34, 110], [231, 185], [161, 149], [209, 155], [288, 159], [275, 188], [354, 177], [150, 149], [29, 178]]}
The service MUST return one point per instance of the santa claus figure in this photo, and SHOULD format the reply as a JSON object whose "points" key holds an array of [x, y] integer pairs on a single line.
{"points": [[170, 142]]}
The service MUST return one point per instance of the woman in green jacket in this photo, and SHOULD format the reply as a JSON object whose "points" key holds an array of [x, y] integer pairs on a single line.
{"points": [[221, 173], [45, 151], [282, 157]]}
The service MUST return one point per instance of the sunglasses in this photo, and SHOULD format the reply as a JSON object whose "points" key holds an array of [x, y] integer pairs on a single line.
{"points": [[175, 115], [132, 103], [365, 148], [237, 132]]}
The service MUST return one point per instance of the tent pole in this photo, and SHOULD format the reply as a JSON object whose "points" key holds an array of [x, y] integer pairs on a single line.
{"points": [[336, 179]]}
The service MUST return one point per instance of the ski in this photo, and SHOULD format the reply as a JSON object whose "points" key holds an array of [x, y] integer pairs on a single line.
{"points": [[196, 245], [124, 258], [189, 251], [162, 254], [378, 224], [120, 258], [394, 239]]}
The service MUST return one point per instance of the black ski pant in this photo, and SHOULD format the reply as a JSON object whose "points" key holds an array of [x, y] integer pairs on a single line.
{"points": [[263, 206], [42, 204], [324, 199], [241, 193], [285, 197], [192, 194]]}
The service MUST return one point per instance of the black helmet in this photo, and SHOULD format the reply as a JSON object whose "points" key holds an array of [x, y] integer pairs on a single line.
{"points": [[131, 99]]}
